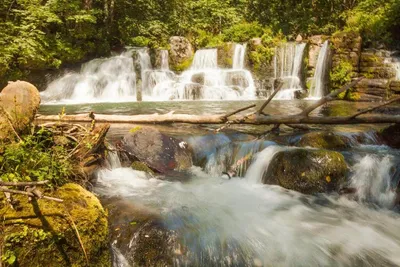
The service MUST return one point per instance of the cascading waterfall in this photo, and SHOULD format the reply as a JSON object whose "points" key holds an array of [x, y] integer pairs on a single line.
{"points": [[282, 228], [145, 69], [204, 80], [288, 61], [239, 56], [100, 80], [318, 85]]}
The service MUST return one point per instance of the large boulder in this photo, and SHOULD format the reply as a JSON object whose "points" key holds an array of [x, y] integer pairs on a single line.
{"points": [[158, 151], [307, 171], [181, 51], [47, 233], [19, 102], [325, 140]]}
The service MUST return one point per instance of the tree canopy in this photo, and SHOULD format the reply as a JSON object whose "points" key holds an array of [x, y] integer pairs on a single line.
{"points": [[48, 33]]}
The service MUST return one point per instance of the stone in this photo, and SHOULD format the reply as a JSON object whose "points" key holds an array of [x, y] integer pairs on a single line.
{"points": [[307, 171], [363, 97], [225, 54], [198, 78], [379, 72], [325, 140], [158, 151], [193, 91], [395, 86], [299, 38], [373, 83], [19, 102], [180, 50], [255, 42], [391, 135], [237, 78], [318, 39], [46, 229]]}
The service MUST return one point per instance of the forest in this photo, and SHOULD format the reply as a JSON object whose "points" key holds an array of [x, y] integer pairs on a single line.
{"points": [[48, 34]]}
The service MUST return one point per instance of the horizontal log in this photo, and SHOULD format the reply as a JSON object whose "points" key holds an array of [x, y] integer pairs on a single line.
{"points": [[217, 119]]}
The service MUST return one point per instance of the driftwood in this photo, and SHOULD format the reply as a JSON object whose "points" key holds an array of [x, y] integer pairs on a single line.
{"points": [[255, 118]]}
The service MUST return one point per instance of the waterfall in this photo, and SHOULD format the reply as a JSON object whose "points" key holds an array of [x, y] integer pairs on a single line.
{"points": [[397, 67], [318, 86], [372, 179], [260, 165], [145, 69], [205, 59], [164, 60], [106, 79], [288, 61], [239, 56]]}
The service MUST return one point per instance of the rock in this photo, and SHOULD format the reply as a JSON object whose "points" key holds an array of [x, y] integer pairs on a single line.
{"points": [[42, 232], [237, 78], [391, 135], [307, 171], [193, 91], [255, 42], [225, 55], [158, 151], [300, 94], [180, 50], [318, 39], [299, 38], [379, 72], [325, 140], [19, 102], [198, 78], [374, 89], [140, 166], [139, 234], [362, 97], [395, 86]]}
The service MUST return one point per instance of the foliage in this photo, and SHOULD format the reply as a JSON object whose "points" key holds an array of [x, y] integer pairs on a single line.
{"points": [[35, 158], [341, 74], [243, 32]]}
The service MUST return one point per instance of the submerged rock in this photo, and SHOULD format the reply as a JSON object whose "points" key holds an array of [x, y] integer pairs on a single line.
{"points": [[158, 151], [19, 102], [44, 232], [326, 140], [307, 171]]}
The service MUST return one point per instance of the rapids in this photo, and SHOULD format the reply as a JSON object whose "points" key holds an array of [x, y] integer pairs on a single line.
{"points": [[241, 222]]}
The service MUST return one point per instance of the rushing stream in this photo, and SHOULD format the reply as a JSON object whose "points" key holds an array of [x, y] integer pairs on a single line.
{"points": [[241, 222]]}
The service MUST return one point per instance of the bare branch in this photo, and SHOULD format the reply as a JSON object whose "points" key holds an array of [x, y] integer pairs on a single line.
{"points": [[329, 97], [237, 111], [269, 99], [2, 189], [23, 183], [367, 110]]}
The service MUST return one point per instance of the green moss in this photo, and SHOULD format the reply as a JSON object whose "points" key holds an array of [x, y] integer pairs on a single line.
{"points": [[182, 66], [140, 166], [42, 233], [326, 140]]}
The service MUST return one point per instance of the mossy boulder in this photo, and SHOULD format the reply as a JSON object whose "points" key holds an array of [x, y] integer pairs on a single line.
{"points": [[19, 102], [162, 153], [307, 171], [42, 232], [140, 166], [326, 140]]}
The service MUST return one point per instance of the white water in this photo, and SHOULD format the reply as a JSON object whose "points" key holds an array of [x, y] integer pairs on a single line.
{"points": [[205, 81], [100, 80], [239, 56], [397, 67], [287, 64], [164, 60], [241, 222], [318, 85], [372, 178]]}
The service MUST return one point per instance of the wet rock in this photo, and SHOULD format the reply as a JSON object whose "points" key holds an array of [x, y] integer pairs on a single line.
{"points": [[379, 72], [391, 135], [193, 91], [225, 55], [180, 50], [307, 171], [139, 234], [326, 140], [158, 151], [19, 102], [140, 166], [237, 78], [198, 78], [300, 94], [373, 89], [42, 232], [395, 86]]}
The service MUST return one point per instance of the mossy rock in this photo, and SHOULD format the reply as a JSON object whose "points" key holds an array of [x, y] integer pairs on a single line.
{"points": [[42, 232], [140, 166], [326, 140], [307, 171], [19, 102]]}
